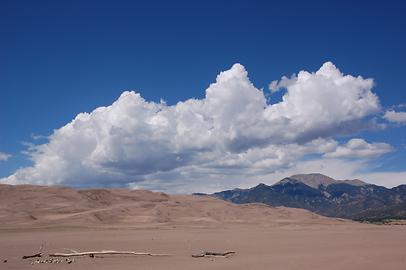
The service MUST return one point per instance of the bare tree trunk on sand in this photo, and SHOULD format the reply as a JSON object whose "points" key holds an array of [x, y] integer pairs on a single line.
{"points": [[104, 252]]}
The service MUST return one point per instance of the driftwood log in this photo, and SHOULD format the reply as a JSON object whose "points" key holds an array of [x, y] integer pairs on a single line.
{"points": [[213, 254], [35, 255], [104, 252]]}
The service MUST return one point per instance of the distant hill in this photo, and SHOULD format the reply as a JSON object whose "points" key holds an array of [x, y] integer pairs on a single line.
{"points": [[353, 199]]}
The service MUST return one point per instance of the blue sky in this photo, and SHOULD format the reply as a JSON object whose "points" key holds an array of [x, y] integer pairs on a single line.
{"points": [[61, 58]]}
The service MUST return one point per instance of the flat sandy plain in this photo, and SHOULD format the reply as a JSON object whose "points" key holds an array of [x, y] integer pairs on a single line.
{"points": [[263, 237]]}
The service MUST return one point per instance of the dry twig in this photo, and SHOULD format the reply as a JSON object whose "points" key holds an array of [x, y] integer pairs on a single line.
{"points": [[213, 254]]}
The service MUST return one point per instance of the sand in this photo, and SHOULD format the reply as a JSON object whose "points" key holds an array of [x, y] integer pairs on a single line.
{"points": [[262, 237], [257, 247]]}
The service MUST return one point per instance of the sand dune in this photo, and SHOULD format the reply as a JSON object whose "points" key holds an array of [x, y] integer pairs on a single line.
{"points": [[28, 206]]}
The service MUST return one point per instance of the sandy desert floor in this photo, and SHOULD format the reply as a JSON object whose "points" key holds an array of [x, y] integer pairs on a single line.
{"points": [[346, 246], [263, 237]]}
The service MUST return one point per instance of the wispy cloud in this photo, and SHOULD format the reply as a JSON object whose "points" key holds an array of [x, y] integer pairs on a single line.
{"points": [[4, 156]]}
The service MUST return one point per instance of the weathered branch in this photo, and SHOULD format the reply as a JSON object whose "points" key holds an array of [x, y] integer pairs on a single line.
{"points": [[35, 255], [104, 252], [213, 254], [32, 256]]}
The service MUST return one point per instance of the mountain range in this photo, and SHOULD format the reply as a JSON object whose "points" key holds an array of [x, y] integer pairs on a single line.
{"points": [[351, 199]]}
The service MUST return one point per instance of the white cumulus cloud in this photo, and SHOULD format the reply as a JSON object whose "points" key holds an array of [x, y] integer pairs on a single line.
{"points": [[231, 131], [359, 148], [323, 103], [396, 117]]}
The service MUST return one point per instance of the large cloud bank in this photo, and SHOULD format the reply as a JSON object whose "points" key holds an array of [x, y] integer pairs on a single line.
{"points": [[231, 132]]}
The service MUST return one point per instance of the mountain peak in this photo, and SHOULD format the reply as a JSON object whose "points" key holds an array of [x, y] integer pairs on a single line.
{"points": [[314, 180], [261, 185]]}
